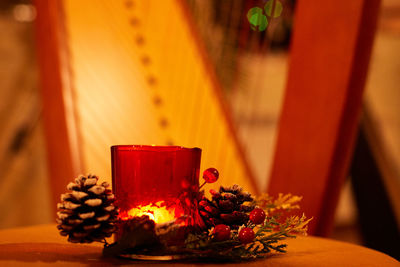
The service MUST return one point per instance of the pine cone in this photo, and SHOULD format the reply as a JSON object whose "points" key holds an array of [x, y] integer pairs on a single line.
{"points": [[87, 213], [226, 207]]}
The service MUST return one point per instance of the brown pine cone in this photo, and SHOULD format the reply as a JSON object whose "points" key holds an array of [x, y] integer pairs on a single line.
{"points": [[227, 206], [87, 213]]}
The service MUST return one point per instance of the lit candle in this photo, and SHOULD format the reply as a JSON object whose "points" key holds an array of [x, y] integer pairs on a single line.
{"points": [[158, 181]]}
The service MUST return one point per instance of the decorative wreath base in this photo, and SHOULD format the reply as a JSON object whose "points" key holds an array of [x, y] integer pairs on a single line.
{"points": [[189, 257], [143, 239], [144, 257], [182, 257], [234, 225]]}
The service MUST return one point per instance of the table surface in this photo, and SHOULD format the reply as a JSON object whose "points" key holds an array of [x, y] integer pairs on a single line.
{"points": [[42, 245]]}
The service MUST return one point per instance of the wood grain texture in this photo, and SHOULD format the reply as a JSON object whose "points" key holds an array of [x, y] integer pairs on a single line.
{"points": [[328, 66]]}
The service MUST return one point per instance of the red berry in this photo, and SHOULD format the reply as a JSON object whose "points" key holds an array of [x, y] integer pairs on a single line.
{"points": [[257, 216], [222, 232], [211, 175], [246, 235]]}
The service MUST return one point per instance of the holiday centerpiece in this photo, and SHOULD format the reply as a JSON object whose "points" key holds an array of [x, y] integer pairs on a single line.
{"points": [[163, 213]]}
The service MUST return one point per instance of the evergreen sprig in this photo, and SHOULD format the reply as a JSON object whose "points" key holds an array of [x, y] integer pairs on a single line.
{"points": [[267, 235], [142, 236]]}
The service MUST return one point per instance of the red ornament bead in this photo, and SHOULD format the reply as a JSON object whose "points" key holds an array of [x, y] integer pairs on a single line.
{"points": [[246, 235], [222, 232], [211, 175], [257, 216]]}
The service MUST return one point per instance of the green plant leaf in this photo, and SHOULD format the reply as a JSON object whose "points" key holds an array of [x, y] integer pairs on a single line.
{"points": [[263, 24], [258, 21], [252, 12], [278, 8]]}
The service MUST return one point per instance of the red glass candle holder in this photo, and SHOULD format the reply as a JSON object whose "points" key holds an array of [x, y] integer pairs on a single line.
{"points": [[158, 181]]}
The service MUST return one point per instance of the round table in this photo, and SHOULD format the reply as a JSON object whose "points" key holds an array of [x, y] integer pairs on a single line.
{"points": [[42, 245]]}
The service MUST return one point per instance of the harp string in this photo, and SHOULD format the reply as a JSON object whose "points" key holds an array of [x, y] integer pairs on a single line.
{"points": [[118, 90]]}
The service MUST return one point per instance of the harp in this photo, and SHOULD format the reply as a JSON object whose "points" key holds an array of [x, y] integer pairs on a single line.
{"points": [[131, 72]]}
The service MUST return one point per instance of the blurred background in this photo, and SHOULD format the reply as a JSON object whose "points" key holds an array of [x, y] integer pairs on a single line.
{"points": [[136, 80]]}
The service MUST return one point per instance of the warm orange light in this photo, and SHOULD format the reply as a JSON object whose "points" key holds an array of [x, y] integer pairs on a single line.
{"points": [[158, 212]]}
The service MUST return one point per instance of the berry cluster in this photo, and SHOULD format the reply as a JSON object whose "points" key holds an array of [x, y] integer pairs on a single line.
{"points": [[227, 210], [246, 235]]}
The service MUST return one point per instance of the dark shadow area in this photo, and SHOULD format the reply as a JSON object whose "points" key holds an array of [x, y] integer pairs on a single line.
{"points": [[376, 217]]}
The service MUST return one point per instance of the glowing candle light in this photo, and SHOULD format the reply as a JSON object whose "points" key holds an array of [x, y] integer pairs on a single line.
{"points": [[158, 181]]}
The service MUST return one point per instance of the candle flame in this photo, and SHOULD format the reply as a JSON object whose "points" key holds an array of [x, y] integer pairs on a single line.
{"points": [[158, 212]]}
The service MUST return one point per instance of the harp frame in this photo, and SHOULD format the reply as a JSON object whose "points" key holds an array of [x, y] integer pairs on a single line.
{"points": [[316, 175]]}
